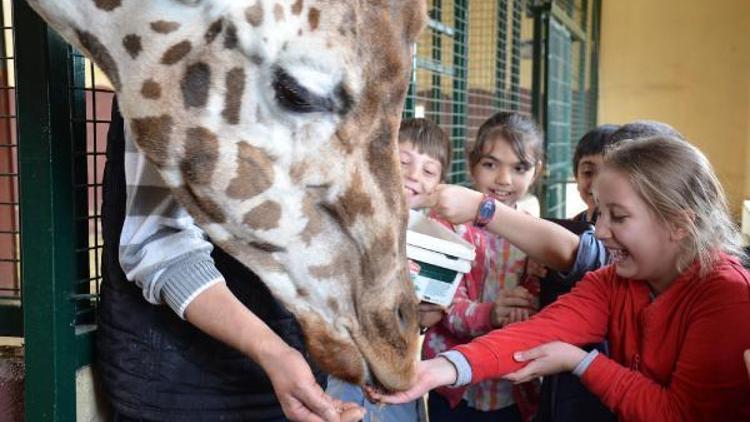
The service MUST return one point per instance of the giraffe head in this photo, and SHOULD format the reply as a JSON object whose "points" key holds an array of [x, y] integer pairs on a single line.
{"points": [[274, 122]]}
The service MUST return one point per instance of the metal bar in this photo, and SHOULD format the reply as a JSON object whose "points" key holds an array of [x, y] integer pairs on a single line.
{"points": [[46, 226], [437, 44], [460, 97], [501, 49], [435, 67], [565, 19], [440, 27]]}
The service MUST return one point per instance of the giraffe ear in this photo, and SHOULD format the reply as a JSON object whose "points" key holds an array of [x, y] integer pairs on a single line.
{"points": [[415, 18]]}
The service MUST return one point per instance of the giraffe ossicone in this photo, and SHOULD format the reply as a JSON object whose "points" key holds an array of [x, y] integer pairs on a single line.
{"points": [[274, 123]]}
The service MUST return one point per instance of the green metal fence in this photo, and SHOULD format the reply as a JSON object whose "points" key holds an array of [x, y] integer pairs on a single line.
{"points": [[566, 37]]}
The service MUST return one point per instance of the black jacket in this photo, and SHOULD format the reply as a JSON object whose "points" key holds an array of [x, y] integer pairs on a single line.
{"points": [[154, 365]]}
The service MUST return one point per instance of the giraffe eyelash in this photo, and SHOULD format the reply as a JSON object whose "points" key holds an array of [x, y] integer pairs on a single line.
{"points": [[296, 98]]}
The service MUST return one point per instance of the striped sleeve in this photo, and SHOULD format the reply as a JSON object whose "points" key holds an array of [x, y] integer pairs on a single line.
{"points": [[161, 248]]}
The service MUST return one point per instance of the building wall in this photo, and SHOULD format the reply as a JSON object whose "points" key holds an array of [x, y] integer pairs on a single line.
{"points": [[685, 62]]}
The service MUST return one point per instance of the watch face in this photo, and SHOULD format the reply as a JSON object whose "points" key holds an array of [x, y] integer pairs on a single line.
{"points": [[486, 212]]}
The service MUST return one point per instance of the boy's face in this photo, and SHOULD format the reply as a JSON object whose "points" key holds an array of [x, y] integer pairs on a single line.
{"points": [[588, 168], [420, 172]]}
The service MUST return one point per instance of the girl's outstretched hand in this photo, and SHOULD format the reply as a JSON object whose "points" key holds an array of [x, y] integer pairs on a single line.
{"points": [[547, 359], [431, 373], [454, 203]]}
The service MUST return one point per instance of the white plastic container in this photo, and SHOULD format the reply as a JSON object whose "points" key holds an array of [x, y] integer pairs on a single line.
{"points": [[439, 258]]}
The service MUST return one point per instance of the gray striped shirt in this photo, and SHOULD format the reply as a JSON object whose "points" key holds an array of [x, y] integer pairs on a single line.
{"points": [[161, 248]]}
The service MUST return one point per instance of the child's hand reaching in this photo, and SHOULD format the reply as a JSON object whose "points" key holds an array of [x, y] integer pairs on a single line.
{"points": [[454, 203], [511, 305], [547, 359], [430, 314]]}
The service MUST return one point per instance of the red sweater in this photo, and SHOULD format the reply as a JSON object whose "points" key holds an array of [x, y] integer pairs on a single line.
{"points": [[676, 358]]}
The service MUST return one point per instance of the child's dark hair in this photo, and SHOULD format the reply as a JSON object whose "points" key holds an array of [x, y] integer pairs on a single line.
{"points": [[428, 138], [520, 131], [593, 143], [643, 129]]}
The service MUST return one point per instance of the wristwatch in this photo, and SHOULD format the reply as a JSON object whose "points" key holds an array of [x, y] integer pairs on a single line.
{"points": [[485, 212]]}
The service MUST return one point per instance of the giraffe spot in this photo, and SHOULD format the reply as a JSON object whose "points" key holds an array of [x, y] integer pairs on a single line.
{"points": [[108, 5], [235, 84], [151, 89], [313, 18], [333, 305], [254, 173], [314, 224], [262, 257], [152, 135], [254, 14], [132, 44], [297, 7], [164, 27], [278, 13], [195, 85], [324, 271], [265, 216], [201, 154], [101, 56], [230, 37], [382, 163], [213, 31], [176, 53], [353, 203], [211, 209], [303, 292]]}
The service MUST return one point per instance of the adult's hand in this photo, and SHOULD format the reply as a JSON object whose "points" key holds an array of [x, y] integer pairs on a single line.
{"points": [[547, 359], [300, 396], [217, 312]]}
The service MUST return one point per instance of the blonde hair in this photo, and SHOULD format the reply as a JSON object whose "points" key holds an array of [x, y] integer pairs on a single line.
{"points": [[679, 185]]}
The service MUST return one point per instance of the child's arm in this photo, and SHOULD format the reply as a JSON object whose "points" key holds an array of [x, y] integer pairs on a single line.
{"points": [[543, 241]]}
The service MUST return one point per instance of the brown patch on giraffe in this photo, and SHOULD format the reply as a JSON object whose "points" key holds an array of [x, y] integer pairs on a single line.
{"points": [[108, 5], [213, 31], [333, 304], [344, 138], [303, 292], [151, 89], [254, 14], [382, 163], [132, 44], [313, 18], [176, 52], [164, 27], [101, 56], [338, 358], [230, 37], [210, 211], [195, 85], [297, 7], [314, 224], [153, 135], [265, 216], [353, 203], [235, 84], [297, 171], [201, 154], [254, 173], [278, 13], [381, 253]]}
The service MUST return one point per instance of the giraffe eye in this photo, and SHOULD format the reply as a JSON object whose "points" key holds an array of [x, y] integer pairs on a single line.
{"points": [[296, 98]]}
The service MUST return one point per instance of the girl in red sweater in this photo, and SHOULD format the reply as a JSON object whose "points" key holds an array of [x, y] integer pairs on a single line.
{"points": [[674, 305]]}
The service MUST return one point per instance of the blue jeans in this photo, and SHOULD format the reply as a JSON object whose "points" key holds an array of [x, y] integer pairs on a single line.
{"points": [[407, 412]]}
